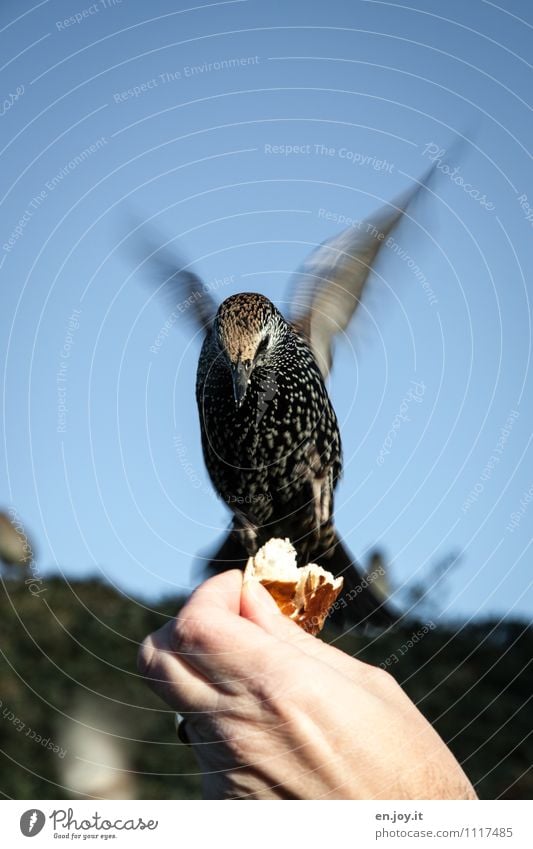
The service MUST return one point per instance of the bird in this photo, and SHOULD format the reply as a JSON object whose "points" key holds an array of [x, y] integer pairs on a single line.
{"points": [[270, 436]]}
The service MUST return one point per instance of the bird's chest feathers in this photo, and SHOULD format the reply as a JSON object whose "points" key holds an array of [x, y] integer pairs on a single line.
{"points": [[264, 422], [285, 414]]}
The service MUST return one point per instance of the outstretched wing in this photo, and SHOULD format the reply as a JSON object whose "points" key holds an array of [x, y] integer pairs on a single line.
{"points": [[327, 288], [184, 290], [15, 548]]}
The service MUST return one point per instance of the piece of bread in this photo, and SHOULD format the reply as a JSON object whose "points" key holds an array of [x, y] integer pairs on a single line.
{"points": [[304, 594]]}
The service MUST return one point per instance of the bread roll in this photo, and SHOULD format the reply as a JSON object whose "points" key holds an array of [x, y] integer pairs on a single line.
{"points": [[304, 594]]}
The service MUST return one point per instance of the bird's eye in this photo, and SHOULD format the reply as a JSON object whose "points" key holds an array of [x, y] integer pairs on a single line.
{"points": [[263, 345]]}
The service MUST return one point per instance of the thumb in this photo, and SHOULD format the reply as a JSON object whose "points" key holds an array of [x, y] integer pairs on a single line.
{"points": [[257, 604], [259, 607]]}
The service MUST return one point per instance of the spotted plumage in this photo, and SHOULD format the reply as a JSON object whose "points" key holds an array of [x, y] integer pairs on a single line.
{"points": [[270, 436], [279, 468]]}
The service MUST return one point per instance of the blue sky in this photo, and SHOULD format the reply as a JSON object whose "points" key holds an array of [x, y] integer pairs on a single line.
{"points": [[245, 130]]}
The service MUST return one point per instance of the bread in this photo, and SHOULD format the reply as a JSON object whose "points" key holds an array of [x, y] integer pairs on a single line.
{"points": [[304, 594]]}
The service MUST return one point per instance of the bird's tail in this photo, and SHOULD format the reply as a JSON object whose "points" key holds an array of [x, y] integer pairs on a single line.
{"points": [[359, 602], [230, 554]]}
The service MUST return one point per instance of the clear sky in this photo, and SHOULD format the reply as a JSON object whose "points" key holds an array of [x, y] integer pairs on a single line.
{"points": [[247, 130]]}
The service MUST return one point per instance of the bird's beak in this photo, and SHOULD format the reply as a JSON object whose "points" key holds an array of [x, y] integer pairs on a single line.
{"points": [[240, 374]]}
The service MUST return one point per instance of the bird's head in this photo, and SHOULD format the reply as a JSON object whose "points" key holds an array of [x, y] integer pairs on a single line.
{"points": [[247, 329]]}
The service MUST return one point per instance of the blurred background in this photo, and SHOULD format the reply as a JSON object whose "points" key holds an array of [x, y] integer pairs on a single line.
{"points": [[243, 134]]}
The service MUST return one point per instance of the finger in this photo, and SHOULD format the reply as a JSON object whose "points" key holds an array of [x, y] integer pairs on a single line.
{"points": [[211, 637], [177, 683], [221, 592]]}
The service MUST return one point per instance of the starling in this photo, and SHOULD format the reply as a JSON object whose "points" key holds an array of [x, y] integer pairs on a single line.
{"points": [[270, 436]]}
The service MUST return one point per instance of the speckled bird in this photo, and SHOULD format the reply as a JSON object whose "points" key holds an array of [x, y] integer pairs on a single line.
{"points": [[270, 435]]}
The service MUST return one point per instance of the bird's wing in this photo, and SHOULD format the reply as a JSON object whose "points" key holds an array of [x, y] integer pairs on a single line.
{"points": [[327, 288], [183, 289], [15, 548]]}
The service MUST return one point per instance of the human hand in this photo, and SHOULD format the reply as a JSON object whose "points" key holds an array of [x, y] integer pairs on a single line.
{"points": [[273, 712]]}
